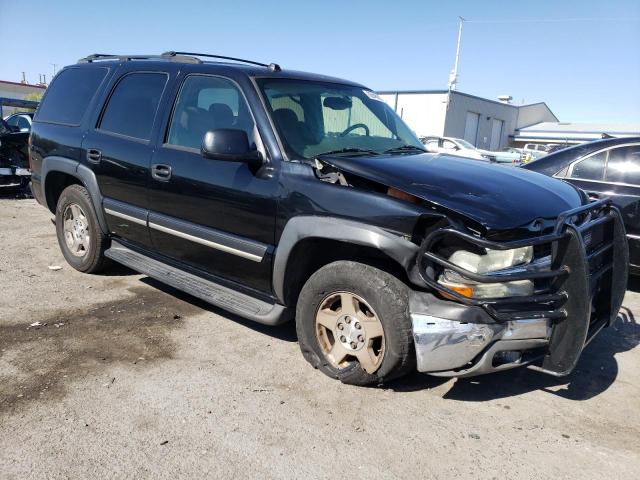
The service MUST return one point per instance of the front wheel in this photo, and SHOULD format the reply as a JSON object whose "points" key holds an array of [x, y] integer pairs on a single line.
{"points": [[353, 324]]}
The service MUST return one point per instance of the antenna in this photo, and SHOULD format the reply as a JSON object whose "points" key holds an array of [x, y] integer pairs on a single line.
{"points": [[453, 76]]}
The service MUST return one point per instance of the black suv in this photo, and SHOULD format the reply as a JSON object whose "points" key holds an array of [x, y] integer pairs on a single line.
{"points": [[277, 194]]}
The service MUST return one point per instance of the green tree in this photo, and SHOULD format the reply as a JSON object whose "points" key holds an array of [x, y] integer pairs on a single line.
{"points": [[34, 97]]}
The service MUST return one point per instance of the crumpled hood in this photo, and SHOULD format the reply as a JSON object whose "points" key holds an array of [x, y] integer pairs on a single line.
{"points": [[497, 197]]}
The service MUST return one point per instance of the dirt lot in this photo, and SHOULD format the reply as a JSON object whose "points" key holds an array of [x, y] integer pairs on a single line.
{"points": [[127, 378]]}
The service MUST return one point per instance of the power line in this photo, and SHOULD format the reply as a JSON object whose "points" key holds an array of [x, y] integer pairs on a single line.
{"points": [[558, 20]]}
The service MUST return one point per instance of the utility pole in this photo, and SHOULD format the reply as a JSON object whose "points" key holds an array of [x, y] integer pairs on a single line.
{"points": [[453, 76], [55, 68]]}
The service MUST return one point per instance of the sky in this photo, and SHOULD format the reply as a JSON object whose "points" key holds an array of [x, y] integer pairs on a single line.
{"points": [[580, 57]]}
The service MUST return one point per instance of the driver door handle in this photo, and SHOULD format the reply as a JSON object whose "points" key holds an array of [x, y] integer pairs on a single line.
{"points": [[94, 155], [161, 172]]}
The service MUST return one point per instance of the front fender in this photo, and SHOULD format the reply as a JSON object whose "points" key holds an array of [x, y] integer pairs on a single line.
{"points": [[298, 228]]}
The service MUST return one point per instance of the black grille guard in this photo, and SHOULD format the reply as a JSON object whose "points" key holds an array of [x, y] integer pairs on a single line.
{"points": [[582, 220], [585, 279]]}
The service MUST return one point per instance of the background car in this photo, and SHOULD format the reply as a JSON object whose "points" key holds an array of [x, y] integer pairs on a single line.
{"points": [[20, 122], [604, 168], [14, 162], [536, 147], [556, 147], [453, 146], [511, 155]]}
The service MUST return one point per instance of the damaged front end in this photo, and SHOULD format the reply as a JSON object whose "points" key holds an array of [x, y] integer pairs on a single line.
{"points": [[562, 289], [534, 298]]}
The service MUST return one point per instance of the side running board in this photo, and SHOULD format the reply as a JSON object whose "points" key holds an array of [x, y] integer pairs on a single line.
{"points": [[235, 302]]}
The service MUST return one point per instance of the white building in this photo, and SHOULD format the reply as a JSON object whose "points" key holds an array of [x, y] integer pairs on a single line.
{"points": [[17, 91], [572, 133], [487, 124]]}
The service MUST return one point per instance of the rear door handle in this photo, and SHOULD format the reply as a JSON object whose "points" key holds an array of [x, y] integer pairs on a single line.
{"points": [[94, 155], [161, 172]]}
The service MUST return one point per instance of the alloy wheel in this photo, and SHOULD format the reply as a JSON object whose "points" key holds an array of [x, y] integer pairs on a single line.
{"points": [[348, 330]]}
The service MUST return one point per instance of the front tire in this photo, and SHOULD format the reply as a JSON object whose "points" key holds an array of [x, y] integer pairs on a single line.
{"points": [[79, 235], [353, 324]]}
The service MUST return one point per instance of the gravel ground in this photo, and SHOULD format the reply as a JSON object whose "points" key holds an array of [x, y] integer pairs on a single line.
{"points": [[128, 378]]}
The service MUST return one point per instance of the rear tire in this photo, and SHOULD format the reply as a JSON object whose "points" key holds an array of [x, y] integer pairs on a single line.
{"points": [[79, 235], [353, 324]]}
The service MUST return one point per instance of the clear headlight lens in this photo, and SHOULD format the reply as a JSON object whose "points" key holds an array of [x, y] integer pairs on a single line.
{"points": [[492, 261]]}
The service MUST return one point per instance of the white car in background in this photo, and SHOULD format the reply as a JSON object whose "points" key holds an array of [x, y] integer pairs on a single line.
{"points": [[455, 146]]}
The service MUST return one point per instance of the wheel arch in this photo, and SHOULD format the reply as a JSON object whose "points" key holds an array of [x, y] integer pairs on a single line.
{"points": [[59, 172], [308, 243]]}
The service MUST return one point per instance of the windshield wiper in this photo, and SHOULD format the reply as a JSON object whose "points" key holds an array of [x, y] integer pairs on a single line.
{"points": [[348, 150], [405, 148]]}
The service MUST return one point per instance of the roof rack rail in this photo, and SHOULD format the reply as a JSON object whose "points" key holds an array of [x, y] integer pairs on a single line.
{"points": [[174, 56], [107, 56], [274, 67]]}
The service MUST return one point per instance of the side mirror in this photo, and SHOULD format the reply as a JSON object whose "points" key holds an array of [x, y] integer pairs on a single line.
{"points": [[231, 145]]}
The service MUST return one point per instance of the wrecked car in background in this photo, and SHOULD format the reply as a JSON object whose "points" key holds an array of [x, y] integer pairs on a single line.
{"points": [[14, 160], [277, 194]]}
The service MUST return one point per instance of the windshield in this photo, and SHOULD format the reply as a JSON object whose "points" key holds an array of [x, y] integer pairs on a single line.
{"points": [[314, 118]]}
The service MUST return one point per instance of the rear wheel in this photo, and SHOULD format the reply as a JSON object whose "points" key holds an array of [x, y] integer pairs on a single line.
{"points": [[353, 324], [79, 235]]}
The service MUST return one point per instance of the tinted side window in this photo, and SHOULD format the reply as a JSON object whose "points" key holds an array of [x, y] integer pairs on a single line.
{"points": [[624, 165], [591, 168], [207, 103], [132, 106], [69, 95]]}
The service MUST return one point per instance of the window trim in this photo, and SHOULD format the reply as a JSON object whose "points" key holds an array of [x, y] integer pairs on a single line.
{"points": [[603, 180], [167, 127], [155, 115]]}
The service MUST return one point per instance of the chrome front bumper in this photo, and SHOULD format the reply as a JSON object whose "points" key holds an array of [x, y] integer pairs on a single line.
{"points": [[451, 348]]}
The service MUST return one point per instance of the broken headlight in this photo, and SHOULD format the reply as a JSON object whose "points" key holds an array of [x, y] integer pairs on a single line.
{"points": [[491, 262]]}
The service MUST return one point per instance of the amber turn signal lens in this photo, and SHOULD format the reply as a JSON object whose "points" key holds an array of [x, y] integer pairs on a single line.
{"points": [[463, 290], [407, 197]]}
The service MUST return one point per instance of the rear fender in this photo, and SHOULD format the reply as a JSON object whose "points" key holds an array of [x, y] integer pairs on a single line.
{"points": [[83, 174]]}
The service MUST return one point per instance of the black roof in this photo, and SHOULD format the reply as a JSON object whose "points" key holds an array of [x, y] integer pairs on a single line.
{"points": [[554, 162], [220, 64]]}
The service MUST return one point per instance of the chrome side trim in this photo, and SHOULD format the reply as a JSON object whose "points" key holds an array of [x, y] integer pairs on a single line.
{"points": [[124, 216], [208, 243]]}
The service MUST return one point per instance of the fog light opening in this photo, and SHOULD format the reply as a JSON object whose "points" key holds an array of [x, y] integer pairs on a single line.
{"points": [[507, 356]]}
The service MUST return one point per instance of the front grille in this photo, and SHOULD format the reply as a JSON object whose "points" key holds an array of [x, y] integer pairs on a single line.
{"points": [[580, 287]]}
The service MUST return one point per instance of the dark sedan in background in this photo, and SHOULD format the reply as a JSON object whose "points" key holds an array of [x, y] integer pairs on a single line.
{"points": [[604, 168]]}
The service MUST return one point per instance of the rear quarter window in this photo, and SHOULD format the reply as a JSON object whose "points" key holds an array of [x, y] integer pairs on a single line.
{"points": [[69, 95]]}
